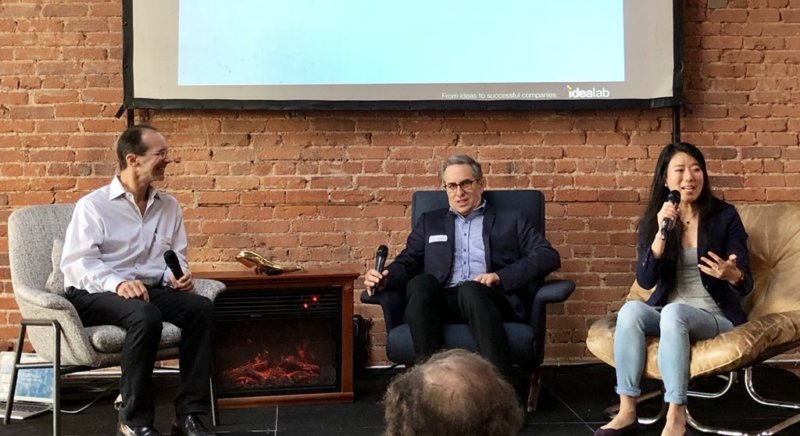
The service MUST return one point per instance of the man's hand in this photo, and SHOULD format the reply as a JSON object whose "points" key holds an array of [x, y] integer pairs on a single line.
{"points": [[185, 284], [488, 279], [133, 289], [374, 280]]}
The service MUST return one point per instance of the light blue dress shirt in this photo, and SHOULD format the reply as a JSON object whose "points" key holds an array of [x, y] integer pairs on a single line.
{"points": [[469, 258]]}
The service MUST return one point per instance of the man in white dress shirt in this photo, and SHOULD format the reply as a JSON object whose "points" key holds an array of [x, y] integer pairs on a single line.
{"points": [[114, 273]]}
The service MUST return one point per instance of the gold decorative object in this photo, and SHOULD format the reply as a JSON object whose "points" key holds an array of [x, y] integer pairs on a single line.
{"points": [[262, 265]]}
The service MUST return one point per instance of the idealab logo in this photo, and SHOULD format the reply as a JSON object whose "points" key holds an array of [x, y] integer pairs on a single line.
{"points": [[588, 93]]}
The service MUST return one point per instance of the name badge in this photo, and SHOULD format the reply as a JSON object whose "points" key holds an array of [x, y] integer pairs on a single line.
{"points": [[437, 238]]}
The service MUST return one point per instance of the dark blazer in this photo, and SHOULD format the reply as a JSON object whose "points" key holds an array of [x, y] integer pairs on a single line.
{"points": [[730, 238], [519, 254]]}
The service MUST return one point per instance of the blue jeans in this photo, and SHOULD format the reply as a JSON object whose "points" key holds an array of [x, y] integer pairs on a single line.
{"points": [[678, 325]]}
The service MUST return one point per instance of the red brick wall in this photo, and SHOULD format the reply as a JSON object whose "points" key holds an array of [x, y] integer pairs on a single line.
{"points": [[324, 189]]}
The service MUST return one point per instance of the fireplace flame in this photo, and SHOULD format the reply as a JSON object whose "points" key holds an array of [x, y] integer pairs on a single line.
{"points": [[263, 371]]}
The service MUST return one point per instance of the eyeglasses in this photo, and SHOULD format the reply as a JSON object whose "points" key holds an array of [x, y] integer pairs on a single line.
{"points": [[465, 185], [163, 153]]}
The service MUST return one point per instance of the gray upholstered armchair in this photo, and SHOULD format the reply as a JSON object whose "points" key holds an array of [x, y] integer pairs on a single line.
{"points": [[526, 339], [35, 237]]}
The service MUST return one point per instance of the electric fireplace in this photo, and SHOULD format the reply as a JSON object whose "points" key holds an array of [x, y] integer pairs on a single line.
{"points": [[283, 339]]}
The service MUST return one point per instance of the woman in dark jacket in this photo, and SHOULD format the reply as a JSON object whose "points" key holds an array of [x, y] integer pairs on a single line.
{"points": [[699, 265]]}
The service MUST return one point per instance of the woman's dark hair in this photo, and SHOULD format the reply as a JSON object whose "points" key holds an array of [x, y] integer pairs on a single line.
{"points": [[706, 206], [130, 141]]}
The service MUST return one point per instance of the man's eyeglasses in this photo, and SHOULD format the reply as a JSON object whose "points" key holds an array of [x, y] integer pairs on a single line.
{"points": [[465, 185], [163, 153]]}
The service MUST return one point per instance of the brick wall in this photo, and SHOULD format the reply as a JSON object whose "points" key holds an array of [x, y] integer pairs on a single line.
{"points": [[324, 189]]}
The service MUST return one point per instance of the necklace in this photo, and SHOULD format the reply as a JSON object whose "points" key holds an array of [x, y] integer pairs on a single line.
{"points": [[691, 218]]}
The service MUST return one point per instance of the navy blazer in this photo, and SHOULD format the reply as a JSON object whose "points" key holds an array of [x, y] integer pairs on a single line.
{"points": [[517, 252], [732, 240]]}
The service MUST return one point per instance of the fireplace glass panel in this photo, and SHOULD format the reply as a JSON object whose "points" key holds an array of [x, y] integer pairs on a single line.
{"points": [[277, 343]]}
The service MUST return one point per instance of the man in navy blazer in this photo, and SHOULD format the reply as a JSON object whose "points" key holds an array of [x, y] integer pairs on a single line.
{"points": [[468, 263]]}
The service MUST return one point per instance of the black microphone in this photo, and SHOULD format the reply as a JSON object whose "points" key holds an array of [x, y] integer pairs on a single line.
{"points": [[380, 257], [674, 197], [173, 264]]}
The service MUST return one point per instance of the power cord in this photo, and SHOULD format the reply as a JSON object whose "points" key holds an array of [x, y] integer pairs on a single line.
{"points": [[102, 392]]}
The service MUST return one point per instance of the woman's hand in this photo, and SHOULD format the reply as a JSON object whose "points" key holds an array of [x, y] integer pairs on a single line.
{"points": [[668, 210], [720, 268]]}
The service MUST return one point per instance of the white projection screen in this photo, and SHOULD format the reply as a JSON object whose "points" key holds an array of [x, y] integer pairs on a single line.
{"points": [[411, 54]]}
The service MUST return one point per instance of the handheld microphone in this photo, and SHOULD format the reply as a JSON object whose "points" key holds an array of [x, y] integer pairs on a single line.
{"points": [[173, 264], [380, 257], [674, 197]]}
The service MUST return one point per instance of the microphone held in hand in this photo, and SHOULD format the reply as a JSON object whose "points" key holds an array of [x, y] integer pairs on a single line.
{"points": [[674, 197], [173, 264], [380, 257]]}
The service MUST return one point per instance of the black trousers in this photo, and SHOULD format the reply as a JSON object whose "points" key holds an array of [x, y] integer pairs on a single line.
{"points": [[193, 313], [429, 306]]}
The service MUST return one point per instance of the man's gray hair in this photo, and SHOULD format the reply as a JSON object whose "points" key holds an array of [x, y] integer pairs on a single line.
{"points": [[454, 393], [463, 159]]}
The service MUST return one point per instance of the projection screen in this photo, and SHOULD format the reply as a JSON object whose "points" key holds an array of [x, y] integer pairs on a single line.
{"points": [[414, 54]]}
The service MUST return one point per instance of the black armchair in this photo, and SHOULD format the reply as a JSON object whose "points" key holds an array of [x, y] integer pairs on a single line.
{"points": [[525, 339]]}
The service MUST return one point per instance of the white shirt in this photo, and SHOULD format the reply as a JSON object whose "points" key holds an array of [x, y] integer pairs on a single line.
{"points": [[109, 241]]}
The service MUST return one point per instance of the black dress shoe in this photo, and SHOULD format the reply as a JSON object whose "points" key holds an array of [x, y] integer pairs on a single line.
{"points": [[627, 430], [125, 430], [189, 425]]}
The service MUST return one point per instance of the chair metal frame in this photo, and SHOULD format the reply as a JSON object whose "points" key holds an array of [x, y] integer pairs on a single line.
{"points": [[730, 379], [58, 371]]}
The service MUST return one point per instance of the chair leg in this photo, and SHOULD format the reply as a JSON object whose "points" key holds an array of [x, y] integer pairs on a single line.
{"points": [[728, 432], [214, 408], [751, 390], [14, 370], [534, 388], [56, 379], [612, 411], [748, 383], [56, 364], [730, 379]]}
